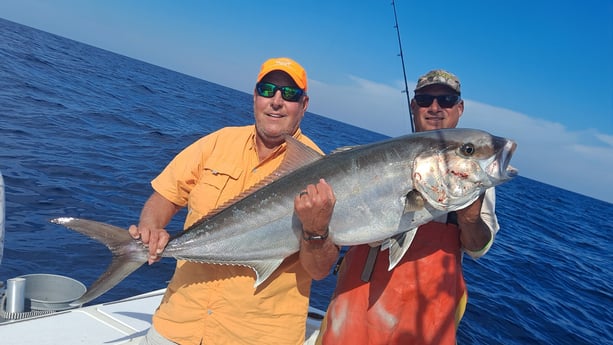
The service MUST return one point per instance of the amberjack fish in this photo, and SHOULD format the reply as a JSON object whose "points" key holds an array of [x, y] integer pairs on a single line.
{"points": [[383, 190]]}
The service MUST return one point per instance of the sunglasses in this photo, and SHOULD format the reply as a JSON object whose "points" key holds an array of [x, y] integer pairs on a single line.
{"points": [[445, 101], [288, 93]]}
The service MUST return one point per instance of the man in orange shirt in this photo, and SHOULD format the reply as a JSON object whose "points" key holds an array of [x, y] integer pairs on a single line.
{"points": [[218, 304], [420, 301]]}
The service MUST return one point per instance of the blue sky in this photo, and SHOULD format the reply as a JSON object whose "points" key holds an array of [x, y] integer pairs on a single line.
{"points": [[539, 72]]}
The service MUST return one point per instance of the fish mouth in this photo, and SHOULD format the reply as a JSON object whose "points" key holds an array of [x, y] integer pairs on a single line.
{"points": [[500, 168], [507, 170]]}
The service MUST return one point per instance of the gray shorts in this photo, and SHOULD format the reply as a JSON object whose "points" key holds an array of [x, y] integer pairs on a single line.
{"points": [[154, 338]]}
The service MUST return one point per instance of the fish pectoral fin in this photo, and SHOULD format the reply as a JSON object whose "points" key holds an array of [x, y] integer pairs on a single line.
{"points": [[414, 201], [398, 246], [263, 269]]}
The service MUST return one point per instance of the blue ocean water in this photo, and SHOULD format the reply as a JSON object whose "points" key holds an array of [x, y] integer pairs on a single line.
{"points": [[83, 131]]}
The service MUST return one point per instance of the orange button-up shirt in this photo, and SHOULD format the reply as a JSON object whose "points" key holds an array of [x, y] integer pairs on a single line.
{"points": [[218, 304]]}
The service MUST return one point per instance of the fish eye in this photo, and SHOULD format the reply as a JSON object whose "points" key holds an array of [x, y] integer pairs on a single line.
{"points": [[467, 149]]}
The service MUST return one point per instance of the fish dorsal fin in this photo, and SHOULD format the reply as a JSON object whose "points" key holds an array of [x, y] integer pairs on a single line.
{"points": [[297, 155]]}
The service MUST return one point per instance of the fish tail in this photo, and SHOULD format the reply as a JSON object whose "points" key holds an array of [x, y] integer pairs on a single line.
{"points": [[128, 254]]}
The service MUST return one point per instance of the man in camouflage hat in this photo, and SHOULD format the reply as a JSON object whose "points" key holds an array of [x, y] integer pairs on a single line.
{"points": [[422, 300], [437, 103]]}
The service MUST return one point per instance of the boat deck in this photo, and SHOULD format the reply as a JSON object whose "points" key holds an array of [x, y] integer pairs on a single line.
{"points": [[120, 322]]}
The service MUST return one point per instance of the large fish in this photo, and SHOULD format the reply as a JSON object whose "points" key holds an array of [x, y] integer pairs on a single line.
{"points": [[384, 191]]}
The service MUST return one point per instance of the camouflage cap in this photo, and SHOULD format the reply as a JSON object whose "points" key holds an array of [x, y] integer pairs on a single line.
{"points": [[440, 77]]}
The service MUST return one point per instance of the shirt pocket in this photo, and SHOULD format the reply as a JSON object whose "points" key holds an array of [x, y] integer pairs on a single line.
{"points": [[216, 184]]}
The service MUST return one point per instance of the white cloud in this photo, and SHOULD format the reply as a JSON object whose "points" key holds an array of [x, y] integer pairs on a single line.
{"points": [[378, 107], [580, 161], [605, 138]]}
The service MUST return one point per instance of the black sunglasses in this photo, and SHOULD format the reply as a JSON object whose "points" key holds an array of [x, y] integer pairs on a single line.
{"points": [[445, 101], [288, 93]]}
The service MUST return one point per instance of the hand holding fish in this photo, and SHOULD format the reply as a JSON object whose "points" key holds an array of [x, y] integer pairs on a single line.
{"points": [[314, 208], [474, 234], [155, 215], [154, 238]]}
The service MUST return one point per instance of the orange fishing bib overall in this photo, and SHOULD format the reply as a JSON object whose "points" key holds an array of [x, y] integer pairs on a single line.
{"points": [[419, 302]]}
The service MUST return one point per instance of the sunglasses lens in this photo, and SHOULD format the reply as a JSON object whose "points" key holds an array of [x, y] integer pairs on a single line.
{"points": [[266, 89], [288, 93], [444, 101], [291, 94], [447, 101], [424, 100]]}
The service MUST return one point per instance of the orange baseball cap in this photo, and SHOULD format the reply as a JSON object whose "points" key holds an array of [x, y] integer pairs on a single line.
{"points": [[288, 66]]}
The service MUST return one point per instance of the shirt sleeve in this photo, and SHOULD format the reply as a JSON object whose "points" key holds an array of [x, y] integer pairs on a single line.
{"points": [[488, 214], [180, 176]]}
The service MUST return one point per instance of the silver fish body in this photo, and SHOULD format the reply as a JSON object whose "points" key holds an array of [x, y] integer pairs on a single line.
{"points": [[383, 190]]}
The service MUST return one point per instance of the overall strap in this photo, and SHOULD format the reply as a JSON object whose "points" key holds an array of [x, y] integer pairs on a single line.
{"points": [[452, 218]]}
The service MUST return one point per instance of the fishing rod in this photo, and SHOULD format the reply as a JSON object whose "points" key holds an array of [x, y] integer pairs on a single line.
{"points": [[404, 73], [372, 253]]}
